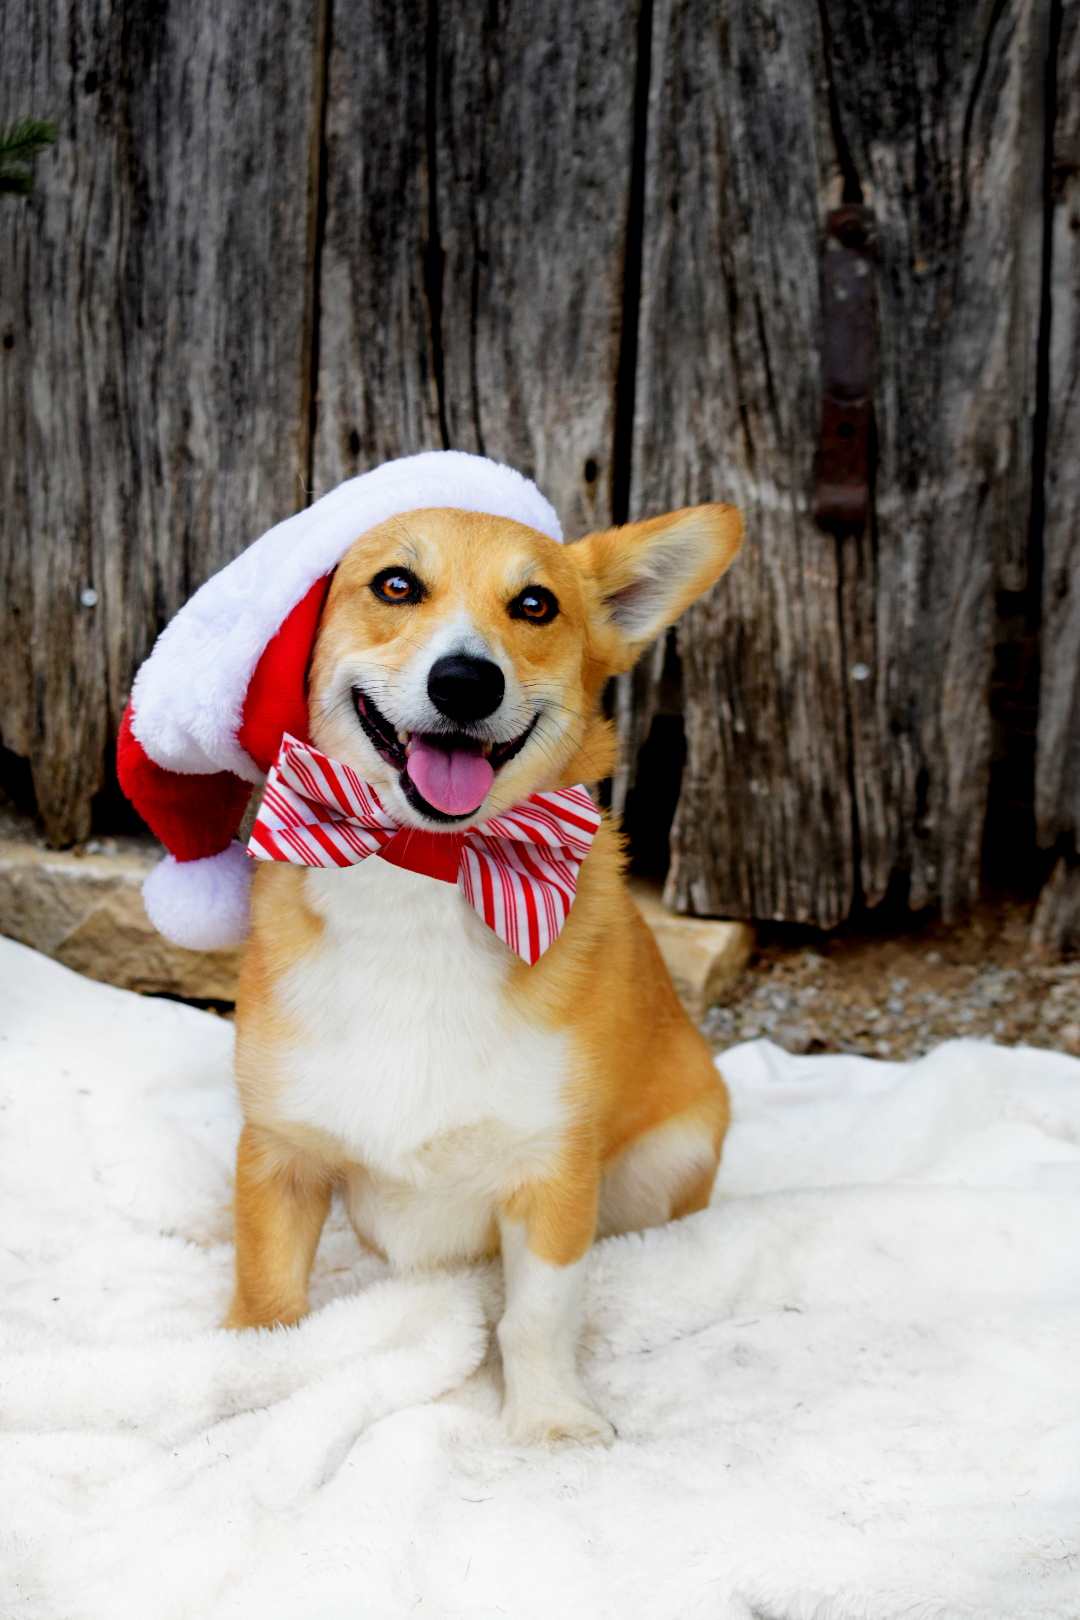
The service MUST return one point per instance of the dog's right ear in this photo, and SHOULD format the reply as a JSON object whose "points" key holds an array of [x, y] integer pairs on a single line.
{"points": [[648, 573]]}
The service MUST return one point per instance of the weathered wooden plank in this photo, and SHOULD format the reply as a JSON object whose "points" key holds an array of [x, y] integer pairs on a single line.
{"points": [[1055, 926], [740, 157], [941, 109], [835, 691], [534, 126], [155, 371], [1057, 763], [377, 390], [475, 237]]}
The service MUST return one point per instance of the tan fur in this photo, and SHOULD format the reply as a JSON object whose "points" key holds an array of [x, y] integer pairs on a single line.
{"points": [[639, 1066]]}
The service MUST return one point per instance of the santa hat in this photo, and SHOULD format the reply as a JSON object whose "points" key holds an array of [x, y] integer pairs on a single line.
{"points": [[226, 679]]}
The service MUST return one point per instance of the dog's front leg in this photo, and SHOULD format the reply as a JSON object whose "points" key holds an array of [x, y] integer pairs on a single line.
{"points": [[545, 1235], [281, 1202]]}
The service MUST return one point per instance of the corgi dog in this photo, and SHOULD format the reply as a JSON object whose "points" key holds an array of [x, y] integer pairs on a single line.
{"points": [[390, 1046]]}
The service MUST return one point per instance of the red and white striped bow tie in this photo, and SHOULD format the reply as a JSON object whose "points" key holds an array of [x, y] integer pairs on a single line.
{"points": [[518, 871]]}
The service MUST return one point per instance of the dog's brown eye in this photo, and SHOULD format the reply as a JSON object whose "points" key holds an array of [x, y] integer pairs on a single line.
{"points": [[397, 585], [534, 603]]}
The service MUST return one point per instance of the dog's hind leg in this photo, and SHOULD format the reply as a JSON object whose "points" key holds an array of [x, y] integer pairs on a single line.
{"points": [[666, 1172], [281, 1202]]}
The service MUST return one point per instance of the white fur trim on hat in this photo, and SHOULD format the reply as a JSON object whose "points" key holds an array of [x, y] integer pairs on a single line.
{"points": [[203, 905], [188, 697]]}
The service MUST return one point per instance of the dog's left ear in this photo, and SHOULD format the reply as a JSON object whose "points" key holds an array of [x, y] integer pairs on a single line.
{"points": [[648, 573]]}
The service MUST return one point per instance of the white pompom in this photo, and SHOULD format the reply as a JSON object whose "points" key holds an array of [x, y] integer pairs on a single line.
{"points": [[203, 905]]}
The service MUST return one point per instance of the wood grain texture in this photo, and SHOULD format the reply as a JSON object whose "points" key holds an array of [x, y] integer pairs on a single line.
{"points": [[739, 160], [156, 295], [803, 782], [941, 107], [479, 171], [377, 389], [534, 125], [1057, 762], [463, 273]]}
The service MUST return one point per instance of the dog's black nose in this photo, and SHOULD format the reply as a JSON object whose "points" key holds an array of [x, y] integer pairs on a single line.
{"points": [[465, 689]]}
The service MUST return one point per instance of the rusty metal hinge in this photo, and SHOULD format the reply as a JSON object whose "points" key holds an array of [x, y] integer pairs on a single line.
{"points": [[847, 355]]}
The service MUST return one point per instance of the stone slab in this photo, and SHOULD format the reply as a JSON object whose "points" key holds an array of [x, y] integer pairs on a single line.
{"points": [[85, 910], [704, 955]]}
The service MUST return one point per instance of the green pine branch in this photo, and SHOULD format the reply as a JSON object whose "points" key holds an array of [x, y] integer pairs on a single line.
{"points": [[19, 145]]}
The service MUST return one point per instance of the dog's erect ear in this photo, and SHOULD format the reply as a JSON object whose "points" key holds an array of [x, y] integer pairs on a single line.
{"points": [[648, 573]]}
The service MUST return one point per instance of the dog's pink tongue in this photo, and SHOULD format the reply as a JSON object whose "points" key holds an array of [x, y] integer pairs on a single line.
{"points": [[453, 780]]}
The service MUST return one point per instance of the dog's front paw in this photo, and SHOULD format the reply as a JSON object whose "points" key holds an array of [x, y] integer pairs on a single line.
{"points": [[243, 1314], [567, 1422]]}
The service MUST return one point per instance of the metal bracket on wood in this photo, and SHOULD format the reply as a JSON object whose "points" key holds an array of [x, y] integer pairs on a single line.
{"points": [[847, 352]]}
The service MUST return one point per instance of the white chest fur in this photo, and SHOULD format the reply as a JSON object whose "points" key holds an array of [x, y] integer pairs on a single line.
{"points": [[415, 1061]]}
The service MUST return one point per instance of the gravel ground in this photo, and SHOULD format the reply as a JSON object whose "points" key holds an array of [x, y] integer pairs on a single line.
{"points": [[896, 996]]}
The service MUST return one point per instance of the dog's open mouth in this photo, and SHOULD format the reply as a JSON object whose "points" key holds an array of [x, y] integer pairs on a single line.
{"points": [[445, 775]]}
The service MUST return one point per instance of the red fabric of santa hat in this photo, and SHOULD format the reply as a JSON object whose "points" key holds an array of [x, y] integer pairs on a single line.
{"points": [[226, 679]]}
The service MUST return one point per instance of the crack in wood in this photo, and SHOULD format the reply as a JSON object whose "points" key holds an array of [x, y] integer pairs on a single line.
{"points": [[852, 187], [317, 171], [435, 259], [626, 376]]}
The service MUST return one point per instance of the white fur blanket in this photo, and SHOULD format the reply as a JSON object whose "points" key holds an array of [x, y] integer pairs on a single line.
{"points": [[849, 1389]]}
